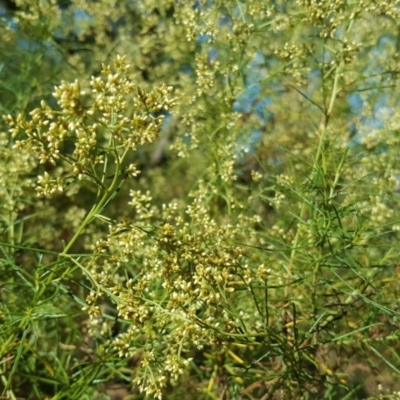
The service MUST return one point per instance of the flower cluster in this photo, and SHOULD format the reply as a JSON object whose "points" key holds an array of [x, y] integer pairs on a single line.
{"points": [[185, 275], [109, 118]]}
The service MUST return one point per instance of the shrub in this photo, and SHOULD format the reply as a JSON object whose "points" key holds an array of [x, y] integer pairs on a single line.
{"points": [[210, 215]]}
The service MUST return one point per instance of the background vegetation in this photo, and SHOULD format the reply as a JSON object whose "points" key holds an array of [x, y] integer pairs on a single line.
{"points": [[198, 199]]}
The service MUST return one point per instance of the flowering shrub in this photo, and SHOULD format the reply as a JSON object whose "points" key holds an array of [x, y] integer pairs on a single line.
{"points": [[210, 215]]}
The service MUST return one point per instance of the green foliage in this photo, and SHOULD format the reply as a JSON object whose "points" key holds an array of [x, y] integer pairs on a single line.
{"points": [[210, 215]]}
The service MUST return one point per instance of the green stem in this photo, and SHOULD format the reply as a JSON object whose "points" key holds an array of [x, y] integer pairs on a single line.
{"points": [[97, 207], [318, 163]]}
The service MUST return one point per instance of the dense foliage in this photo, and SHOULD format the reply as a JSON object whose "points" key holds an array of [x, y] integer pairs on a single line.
{"points": [[198, 199]]}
